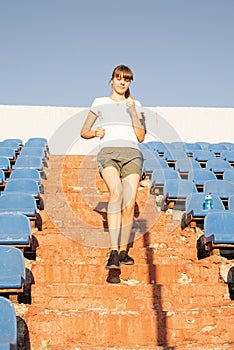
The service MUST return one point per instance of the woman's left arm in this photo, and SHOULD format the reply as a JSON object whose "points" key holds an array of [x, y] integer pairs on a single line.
{"points": [[138, 120]]}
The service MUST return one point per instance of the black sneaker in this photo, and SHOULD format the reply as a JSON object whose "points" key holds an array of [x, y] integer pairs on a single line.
{"points": [[113, 261], [125, 259]]}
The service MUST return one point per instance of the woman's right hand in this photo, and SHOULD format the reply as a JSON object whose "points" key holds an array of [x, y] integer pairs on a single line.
{"points": [[99, 132]]}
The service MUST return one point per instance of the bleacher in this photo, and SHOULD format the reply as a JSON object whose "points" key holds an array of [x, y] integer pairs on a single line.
{"points": [[179, 181], [21, 200], [200, 168]]}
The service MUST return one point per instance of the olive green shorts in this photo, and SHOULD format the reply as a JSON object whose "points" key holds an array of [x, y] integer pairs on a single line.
{"points": [[126, 160]]}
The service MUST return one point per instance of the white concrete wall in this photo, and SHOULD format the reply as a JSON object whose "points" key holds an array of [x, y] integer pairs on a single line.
{"points": [[61, 125]]}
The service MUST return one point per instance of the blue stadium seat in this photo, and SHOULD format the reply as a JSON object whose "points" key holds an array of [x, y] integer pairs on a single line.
{"points": [[21, 203], [15, 229], [172, 155], [12, 269], [33, 151], [199, 176], [28, 162], [195, 212], [228, 145], [37, 142], [202, 156], [29, 186], [222, 188], [8, 324], [11, 143], [28, 173], [204, 144], [219, 229], [228, 156], [5, 165], [191, 147], [229, 175], [150, 164], [9, 153], [175, 192], [152, 145], [218, 166], [159, 177], [185, 165], [163, 147], [217, 148]]}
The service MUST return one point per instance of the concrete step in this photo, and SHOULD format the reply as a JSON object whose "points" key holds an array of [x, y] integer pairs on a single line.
{"points": [[164, 274], [129, 328], [129, 295]]}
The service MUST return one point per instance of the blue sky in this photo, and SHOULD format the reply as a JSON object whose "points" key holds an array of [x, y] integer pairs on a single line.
{"points": [[62, 52]]}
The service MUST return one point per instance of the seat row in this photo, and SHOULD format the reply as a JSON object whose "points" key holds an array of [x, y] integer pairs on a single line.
{"points": [[20, 204]]}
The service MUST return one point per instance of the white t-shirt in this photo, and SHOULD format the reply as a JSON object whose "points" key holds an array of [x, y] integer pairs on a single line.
{"points": [[114, 117]]}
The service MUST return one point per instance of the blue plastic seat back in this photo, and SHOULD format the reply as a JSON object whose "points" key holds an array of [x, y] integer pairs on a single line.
{"points": [[219, 227], [222, 188], [217, 165], [216, 147], [18, 202], [228, 145], [12, 139], [204, 144], [227, 155], [33, 151], [159, 176], [4, 163], [199, 176], [14, 223], [150, 164], [186, 164], [28, 162], [173, 155], [229, 175], [152, 145], [36, 142], [11, 262], [7, 152], [12, 143], [195, 202], [191, 147], [202, 155], [26, 173], [8, 322], [41, 140], [178, 188], [23, 185]]}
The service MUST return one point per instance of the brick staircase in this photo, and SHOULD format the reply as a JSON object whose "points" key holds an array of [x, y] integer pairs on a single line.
{"points": [[168, 300]]}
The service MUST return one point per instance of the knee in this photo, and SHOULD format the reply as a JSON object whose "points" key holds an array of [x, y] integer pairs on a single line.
{"points": [[116, 194]]}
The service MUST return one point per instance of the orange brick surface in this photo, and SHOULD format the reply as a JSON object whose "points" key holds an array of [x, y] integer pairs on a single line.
{"points": [[168, 300]]}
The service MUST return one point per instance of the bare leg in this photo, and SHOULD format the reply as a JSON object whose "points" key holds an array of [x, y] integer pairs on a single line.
{"points": [[130, 186], [112, 179]]}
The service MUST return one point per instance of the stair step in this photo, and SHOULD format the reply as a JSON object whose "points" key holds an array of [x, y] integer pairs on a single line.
{"points": [[166, 274], [129, 328], [129, 295]]}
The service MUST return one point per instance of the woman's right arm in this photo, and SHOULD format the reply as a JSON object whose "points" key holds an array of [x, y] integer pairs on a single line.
{"points": [[87, 132]]}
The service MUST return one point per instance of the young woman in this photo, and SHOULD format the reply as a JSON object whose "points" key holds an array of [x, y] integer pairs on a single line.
{"points": [[119, 123]]}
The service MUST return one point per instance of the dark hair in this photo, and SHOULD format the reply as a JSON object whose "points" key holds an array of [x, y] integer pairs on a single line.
{"points": [[125, 72]]}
